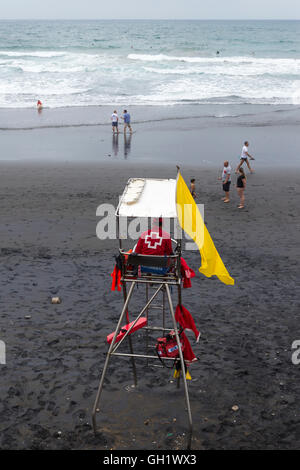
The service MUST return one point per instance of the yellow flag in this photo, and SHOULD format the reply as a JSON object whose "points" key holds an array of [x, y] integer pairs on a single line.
{"points": [[192, 223]]}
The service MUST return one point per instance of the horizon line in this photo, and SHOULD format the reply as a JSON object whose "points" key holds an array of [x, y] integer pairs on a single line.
{"points": [[149, 19]]}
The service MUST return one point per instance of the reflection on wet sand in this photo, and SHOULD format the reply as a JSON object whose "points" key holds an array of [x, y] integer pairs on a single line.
{"points": [[127, 145], [115, 144]]}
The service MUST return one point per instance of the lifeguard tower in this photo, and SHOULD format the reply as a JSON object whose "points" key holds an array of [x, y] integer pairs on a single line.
{"points": [[147, 198]]}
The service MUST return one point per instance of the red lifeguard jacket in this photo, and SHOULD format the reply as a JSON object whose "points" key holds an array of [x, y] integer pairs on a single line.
{"points": [[154, 242]]}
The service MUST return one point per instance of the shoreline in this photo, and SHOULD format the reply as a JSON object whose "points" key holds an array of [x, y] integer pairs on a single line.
{"points": [[259, 114], [166, 135], [203, 142]]}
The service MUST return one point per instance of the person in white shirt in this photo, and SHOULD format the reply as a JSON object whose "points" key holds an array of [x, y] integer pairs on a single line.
{"points": [[115, 122], [244, 157], [226, 180]]}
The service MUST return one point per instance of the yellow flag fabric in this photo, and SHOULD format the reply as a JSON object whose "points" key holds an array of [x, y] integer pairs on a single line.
{"points": [[191, 221]]}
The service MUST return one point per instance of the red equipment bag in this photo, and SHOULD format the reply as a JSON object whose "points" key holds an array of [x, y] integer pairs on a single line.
{"points": [[167, 346]]}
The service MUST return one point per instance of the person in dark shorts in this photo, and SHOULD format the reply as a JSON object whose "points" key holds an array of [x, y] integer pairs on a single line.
{"points": [[114, 122], [226, 180], [240, 186]]}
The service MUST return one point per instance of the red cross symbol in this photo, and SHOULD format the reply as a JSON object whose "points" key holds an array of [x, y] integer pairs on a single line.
{"points": [[155, 238]]}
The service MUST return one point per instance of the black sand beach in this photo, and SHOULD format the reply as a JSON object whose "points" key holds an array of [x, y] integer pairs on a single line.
{"points": [[55, 353]]}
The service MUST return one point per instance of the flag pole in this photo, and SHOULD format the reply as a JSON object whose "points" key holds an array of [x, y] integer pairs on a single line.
{"points": [[178, 244], [179, 247]]}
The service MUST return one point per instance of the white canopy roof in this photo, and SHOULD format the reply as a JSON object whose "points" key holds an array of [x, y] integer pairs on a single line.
{"points": [[145, 197]]}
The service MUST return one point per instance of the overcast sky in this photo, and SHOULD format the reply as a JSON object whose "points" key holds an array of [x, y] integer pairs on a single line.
{"points": [[148, 9]]}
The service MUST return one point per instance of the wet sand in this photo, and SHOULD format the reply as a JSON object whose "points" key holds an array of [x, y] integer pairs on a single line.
{"points": [[48, 247], [194, 135]]}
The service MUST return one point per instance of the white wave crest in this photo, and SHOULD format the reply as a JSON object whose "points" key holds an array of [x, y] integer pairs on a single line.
{"points": [[46, 54], [216, 60]]}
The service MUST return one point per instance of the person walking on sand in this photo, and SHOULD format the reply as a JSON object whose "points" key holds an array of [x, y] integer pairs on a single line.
{"points": [[241, 186], [193, 188], [244, 158], [126, 118], [115, 122], [226, 180]]}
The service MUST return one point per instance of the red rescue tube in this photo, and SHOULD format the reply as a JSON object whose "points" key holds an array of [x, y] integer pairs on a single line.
{"points": [[139, 324]]}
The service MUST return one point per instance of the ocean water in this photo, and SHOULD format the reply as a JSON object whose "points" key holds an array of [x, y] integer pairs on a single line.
{"points": [[92, 63]]}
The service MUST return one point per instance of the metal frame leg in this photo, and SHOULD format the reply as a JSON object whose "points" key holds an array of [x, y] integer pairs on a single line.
{"points": [[164, 310], [147, 316], [182, 369], [108, 356], [130, 341]]}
